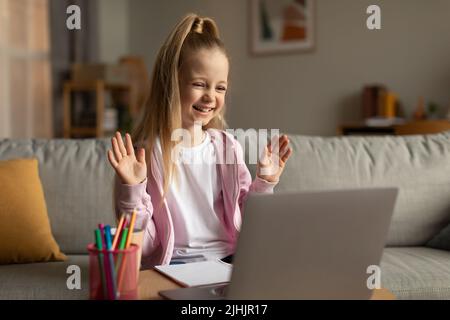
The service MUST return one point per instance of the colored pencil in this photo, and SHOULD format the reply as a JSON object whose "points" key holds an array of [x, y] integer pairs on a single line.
{"points": [[99, 244], [118, 231], [131, 229], [127, 246], [101, 227], [109, 284], [123, 240], [111, 261]]}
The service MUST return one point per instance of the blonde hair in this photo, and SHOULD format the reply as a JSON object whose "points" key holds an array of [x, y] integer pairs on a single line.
{"points": [[162, 112]]}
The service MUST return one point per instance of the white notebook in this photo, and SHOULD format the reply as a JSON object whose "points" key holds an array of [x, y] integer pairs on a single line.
{"points": [[198, 273]]}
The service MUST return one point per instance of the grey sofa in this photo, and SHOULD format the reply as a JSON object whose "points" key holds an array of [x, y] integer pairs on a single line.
{"points": [[77, 181]]}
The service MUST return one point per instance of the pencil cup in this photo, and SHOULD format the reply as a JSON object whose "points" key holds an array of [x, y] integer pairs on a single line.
{"points": [[113, 274], [137, 237]]}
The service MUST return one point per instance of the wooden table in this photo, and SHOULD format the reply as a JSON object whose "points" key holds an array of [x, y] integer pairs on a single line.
{"points": [[151, 282]]}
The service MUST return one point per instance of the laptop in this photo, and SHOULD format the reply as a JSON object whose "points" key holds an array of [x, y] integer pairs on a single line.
{"points": [[305, 245]]}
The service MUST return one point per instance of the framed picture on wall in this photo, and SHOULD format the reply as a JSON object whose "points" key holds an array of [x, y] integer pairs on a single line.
{"points": [[280, 26]]}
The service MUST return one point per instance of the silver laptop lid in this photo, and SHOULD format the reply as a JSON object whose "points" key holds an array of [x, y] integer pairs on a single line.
{"points": [[311, 245]]}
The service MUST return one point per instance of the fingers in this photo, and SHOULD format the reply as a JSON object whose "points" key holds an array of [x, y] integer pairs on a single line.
{"points": [[112, 159], [122, 149], [280, 142], [116, 150], [285, 150], [141, 155], [286, 155], [273, 143], [283, 141], [283, 147], [129, 144], [264, 158]]}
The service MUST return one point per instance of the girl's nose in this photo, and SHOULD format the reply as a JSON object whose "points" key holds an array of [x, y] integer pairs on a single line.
{"points": [[207, 97]]}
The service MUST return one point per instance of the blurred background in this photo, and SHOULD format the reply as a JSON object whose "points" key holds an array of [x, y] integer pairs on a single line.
{"points": [[338, 77]]}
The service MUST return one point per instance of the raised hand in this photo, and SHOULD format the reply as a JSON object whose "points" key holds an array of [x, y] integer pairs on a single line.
{"points": [[130, 168], [272, 161]]}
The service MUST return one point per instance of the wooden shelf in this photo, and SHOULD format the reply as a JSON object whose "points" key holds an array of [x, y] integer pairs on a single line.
{"points": [[99, 87], [423, 127], [408, 128], [92, 85], [83, 130]]}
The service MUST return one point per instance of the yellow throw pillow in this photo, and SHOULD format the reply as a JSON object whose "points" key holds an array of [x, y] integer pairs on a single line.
{"points": [[25, 233]]}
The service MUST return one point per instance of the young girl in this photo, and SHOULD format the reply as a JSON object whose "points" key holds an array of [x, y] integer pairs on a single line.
{"points": [[189, 211]]}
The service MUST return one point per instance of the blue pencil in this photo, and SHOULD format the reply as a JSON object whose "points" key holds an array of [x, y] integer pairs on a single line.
{"points": [[111, 261]]}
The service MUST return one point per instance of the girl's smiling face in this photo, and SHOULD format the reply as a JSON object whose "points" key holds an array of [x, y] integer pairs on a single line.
{"points": [[203, 84]]}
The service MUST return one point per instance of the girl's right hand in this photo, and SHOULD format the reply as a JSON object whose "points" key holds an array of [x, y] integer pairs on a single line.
{"points": [[130, 168]]}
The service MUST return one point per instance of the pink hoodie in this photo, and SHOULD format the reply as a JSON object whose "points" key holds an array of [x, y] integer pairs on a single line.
{"points": [[155, 217]]}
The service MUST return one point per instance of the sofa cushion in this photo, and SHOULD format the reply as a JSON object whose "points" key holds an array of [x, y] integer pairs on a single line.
{"points": [[25, 234], [46, 280], [77, 181], [416, 272], [441, 240], [418, 165]]}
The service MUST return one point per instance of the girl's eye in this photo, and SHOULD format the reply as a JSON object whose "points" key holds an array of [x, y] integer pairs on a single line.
{"points": [[222, 89], [199, 84]]}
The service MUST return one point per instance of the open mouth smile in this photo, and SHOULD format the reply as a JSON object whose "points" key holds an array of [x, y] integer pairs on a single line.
{"points": [[203, 110]]}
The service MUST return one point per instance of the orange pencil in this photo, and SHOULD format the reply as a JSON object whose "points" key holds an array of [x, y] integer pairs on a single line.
{"points": [[130, 229], [118, 231], [127, 245]]}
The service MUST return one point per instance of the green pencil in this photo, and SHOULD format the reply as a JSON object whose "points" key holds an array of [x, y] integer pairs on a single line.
{"points": [[98, 242], [122, 243], [124, 239], [122, 259]]}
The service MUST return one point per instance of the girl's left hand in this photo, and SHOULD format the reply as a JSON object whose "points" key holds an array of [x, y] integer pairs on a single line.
{"points": [[271, 165]]}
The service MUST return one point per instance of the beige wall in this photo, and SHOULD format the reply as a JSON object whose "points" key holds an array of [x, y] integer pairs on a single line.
{"points": [[311, 93], [113, 28]]}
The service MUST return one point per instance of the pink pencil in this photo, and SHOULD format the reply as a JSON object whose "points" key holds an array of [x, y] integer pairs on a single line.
{"points": [[109, 284]]}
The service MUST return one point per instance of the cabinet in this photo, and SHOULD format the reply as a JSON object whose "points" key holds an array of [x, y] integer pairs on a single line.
{"points": [[100, 88]]}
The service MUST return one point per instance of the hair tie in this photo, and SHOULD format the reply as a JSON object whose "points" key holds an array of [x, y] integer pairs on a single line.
{"points": [[198, 25]]}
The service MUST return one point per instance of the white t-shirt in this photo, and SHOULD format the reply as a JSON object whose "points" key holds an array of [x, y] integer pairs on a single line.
{"points": [[196, 204]]}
